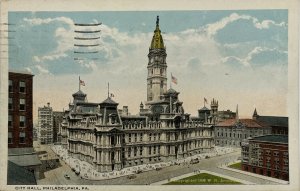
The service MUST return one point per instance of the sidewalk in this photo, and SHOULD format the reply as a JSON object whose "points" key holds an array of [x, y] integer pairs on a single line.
{"points": [[253, 174], [202, 171], [87, 171]]}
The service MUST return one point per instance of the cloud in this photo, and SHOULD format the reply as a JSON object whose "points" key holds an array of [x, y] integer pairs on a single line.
{"points": [[41, 69], [39, 21], [255, 56], [213, 28]]}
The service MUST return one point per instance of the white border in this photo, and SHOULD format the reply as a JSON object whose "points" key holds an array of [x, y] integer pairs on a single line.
{"points": [[106, 5]]}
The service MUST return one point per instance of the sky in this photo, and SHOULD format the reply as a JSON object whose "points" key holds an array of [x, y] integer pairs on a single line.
{"points": [[237, 57]]}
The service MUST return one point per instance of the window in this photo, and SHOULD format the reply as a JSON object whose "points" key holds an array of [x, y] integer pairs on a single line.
{"points": [[141, 137], [10, 103], [10, 86], [135, 151], [141, 151], [150, 136], [22, 137], [149, 148], [275, 153], [129, 138], [9, 120], [22, 121], [161, 84], [10, 140], [135, 137], [129, 152], [22, 86], [22, 104]]}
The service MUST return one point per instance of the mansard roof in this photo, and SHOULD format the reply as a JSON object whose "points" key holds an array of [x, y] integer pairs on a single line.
{"points": [[204, 109], [274, 120], [109, 101], [246, 122], [272, 138], [79, 93]]}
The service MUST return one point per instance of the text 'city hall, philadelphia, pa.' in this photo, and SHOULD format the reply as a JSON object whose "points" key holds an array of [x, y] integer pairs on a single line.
{"points": [[112, 139]]}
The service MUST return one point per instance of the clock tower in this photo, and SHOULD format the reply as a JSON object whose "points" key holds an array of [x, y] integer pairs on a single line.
{"points": [[157, 67]]}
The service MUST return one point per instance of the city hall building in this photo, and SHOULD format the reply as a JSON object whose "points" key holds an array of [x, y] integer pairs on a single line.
{"points": [[112, 139]]}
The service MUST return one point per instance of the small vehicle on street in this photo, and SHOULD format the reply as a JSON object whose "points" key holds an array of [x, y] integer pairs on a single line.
{"points": [[131, 176], [139, 171], [67, 176], [194, 161], [158, 168]]}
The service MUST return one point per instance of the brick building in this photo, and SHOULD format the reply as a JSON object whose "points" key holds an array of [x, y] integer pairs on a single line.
{"points": [[266, 155], [20, 125]]}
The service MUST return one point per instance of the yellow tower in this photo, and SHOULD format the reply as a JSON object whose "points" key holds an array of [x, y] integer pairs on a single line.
{"points": [[157, 67]]}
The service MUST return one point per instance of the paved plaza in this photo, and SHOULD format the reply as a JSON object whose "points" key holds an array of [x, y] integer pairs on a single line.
{"points": [[150, 175]]}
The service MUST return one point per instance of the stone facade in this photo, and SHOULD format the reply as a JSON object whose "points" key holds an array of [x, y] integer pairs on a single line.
{"points": [[112, 139], [232, 132]]}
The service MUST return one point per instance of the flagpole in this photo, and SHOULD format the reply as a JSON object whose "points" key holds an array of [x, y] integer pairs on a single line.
{"points": [[79, 83], [204, 101], [171, 81]]}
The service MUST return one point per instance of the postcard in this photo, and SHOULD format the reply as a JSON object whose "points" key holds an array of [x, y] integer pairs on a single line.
{"points": [[149, 95]]}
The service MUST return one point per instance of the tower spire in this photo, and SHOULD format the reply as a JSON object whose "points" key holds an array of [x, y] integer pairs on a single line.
{"points": [[157, 40]]}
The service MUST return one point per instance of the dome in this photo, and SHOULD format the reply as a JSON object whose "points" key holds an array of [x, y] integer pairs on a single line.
{"points": [[204, 109], [157, 40], [172, 91]]}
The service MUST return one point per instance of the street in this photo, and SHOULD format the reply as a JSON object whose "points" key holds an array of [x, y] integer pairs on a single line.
{"points": [[56, 176]]}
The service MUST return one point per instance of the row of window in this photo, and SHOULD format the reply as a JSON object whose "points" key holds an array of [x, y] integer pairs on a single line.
{"points": [[22, 121], [275, 153], [21, 137], [134, 137], [151, 150], [22, 86], [231, 135], [22, 103]]}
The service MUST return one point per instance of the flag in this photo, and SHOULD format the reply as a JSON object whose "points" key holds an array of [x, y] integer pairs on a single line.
{"points": [[205, 100], [81, 82], [174, 80]]}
